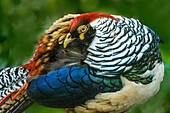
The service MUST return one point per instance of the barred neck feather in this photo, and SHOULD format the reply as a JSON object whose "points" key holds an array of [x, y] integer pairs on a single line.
{"points": [[118, 47]]}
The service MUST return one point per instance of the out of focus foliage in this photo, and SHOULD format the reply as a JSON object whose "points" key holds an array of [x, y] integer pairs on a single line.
{"points": [[23, 21]]}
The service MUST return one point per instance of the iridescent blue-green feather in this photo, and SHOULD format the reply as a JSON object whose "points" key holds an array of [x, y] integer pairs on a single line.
{"points": [[70, 87]]}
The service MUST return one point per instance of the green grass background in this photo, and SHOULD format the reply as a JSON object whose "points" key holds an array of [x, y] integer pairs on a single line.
{"points": [[23, 21]]}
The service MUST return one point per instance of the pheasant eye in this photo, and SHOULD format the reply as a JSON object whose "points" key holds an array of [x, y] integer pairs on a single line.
{"points": [[82, 29]]}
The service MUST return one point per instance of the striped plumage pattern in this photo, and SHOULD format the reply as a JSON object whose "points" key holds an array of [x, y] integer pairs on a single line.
{"points": [[123, 48], [11, 79], [19, 105]]}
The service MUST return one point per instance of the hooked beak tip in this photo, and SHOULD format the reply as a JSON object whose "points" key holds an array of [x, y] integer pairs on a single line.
{"points": [[68, 40]]}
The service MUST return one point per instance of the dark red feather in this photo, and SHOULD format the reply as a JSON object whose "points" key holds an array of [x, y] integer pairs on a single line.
{"points": [[88, 17]]}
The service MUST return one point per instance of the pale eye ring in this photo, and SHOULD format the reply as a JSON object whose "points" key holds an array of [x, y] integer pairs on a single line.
{"points": [[82, 29]]}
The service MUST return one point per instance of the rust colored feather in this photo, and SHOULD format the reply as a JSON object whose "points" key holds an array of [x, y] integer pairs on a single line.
{"points": [[56, 34]]}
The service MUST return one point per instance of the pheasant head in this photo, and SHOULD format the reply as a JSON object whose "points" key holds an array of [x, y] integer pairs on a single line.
{"points": [[81, 29]]}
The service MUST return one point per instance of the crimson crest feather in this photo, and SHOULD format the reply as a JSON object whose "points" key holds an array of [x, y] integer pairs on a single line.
{"points": [[87, 18]]}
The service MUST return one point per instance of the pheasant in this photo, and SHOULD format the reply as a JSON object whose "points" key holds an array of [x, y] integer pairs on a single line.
{"points": [[93, 63], [120, 67]]}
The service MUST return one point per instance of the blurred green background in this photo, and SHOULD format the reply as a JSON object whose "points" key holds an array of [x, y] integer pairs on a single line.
{"points": [[23, 21]]}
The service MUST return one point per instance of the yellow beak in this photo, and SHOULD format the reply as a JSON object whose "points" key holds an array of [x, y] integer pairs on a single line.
{"points": [[68, 40]]}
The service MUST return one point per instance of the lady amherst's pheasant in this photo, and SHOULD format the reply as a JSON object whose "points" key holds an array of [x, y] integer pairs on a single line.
{"points": [[89, 63]]}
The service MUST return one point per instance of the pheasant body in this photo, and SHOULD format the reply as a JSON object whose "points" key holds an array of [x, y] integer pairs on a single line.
{"points": [[96, 63], [122, 55]]}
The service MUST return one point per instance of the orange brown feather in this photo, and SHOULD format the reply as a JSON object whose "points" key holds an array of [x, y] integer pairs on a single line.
{"points": [[54, 35]]}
